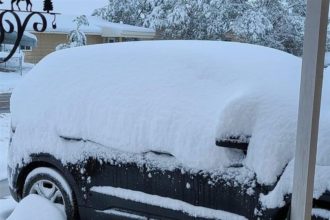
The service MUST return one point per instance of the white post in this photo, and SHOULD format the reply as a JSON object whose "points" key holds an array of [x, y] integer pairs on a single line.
{"points": [[309, 108]]}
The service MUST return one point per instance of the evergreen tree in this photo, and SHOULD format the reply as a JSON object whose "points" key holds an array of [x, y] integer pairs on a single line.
{"points": [[48, 5], [272, 23]]}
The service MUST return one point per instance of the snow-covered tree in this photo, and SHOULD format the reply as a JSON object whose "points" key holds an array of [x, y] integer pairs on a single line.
{"points": [[76, 38], [81, 21], [126, 11], [252, 25], [273, 23]]}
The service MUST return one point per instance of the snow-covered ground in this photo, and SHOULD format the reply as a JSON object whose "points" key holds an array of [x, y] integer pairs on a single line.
{"points": [[31, 207], [37, 208], [7, 205], [9, 80]]}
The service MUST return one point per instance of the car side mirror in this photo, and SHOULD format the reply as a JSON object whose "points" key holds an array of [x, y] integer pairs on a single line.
{"points": [[236, 142]]}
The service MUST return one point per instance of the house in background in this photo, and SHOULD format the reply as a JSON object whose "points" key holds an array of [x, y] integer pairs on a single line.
{"points": [[99, 31]]}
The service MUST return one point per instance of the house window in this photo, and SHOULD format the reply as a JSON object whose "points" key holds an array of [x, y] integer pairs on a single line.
{"points": [[26, 48], [111, 40]]}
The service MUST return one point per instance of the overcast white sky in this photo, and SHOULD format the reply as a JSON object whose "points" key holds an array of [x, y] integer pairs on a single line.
{"points": [[75, 7]]}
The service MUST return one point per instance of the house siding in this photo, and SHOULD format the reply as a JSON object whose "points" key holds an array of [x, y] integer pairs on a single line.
{"points": [[47, 43]]}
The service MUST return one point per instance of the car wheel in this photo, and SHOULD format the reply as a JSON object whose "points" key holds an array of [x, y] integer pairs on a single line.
{"points": [[50, 184]]}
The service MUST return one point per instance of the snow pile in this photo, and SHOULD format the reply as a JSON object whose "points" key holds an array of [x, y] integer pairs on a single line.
{"points": [[168, 96], [37, 208], [4, 143]]}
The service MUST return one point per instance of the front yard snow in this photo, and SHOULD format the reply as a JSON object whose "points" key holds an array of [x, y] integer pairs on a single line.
{"points": [[32, 207], [9, 80]]}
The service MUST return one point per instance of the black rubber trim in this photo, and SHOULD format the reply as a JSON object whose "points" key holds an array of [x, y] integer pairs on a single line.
{"points": [[234, 142]]}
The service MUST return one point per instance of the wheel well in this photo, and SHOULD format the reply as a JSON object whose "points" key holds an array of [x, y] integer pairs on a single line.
{"points": [[28, 168], [36, 164]]}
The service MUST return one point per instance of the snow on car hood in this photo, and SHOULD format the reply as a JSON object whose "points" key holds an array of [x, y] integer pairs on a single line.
{"points": [[169, 96]]}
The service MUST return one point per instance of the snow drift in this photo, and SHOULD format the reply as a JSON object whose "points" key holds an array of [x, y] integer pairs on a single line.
{"points": [[169, 96], [37, 208]]}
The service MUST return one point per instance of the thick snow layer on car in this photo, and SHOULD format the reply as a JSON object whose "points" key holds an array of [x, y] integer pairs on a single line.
{"points": [[36, 207], [168, 96]]}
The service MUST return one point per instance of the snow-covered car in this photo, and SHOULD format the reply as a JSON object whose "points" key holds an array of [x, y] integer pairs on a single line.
{"points": [[163, 130]]}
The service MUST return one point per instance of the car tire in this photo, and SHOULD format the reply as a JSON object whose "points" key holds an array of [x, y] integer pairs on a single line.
{"points": [[50, 184]]}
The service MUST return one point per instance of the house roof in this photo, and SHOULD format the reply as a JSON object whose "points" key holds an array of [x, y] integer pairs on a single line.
{"points": [[97, 26]]}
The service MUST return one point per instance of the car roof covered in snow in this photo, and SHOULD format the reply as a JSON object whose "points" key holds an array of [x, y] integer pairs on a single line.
{"points": [[169, 96]]}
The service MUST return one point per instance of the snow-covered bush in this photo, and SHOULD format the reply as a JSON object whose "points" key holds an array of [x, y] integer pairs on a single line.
{"points": [[274, 23], [62, 46], [76, 38]]}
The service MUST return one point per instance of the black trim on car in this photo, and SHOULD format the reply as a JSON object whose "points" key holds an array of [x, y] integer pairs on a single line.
{"points": [[236, 142]]}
